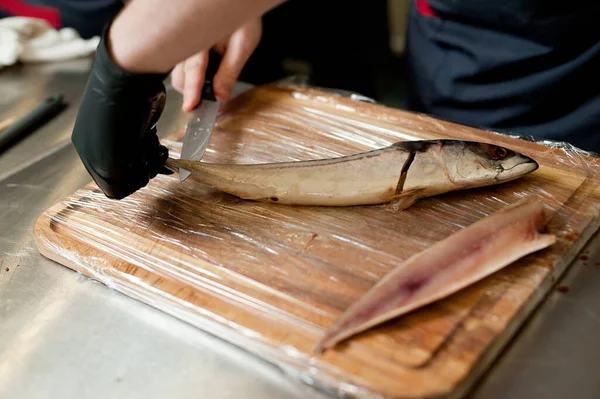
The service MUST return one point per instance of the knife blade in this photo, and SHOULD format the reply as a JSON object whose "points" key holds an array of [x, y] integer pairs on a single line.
{"points": [[202, 119]]}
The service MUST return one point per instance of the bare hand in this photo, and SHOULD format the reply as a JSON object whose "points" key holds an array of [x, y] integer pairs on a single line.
{"points": [[188, 76]]}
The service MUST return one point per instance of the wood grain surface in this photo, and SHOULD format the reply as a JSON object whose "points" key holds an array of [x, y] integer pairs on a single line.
{"points": [[272, 278]]}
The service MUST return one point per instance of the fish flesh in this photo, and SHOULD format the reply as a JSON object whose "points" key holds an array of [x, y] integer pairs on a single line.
{"points": [[461, 259], [402, 172]]}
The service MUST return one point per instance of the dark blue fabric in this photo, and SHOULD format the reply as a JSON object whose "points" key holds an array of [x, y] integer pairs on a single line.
{"points": [[521, 66], [87, 17]]}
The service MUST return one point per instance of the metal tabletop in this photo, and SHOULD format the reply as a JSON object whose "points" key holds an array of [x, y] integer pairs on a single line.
{"points": [[62, 335]]}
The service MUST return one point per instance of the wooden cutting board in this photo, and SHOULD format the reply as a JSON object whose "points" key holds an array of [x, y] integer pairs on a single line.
{"points": [[272, 278]]}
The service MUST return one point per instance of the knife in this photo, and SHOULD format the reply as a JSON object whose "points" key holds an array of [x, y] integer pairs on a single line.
{"points": [[34, 119], [202, 119]]}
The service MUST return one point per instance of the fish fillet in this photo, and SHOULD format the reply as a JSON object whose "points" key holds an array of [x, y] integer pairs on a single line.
{"points": [[446, 267]]}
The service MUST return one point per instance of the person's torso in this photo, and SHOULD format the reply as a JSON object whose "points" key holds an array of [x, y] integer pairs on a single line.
{"points": [[524, 65], [547, 22]]}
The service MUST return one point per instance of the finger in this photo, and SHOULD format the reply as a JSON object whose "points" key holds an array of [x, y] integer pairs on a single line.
{"points": [[194, 70], [220, 48], [163, 155], [152, 157], [178, 77], [239, 49]]}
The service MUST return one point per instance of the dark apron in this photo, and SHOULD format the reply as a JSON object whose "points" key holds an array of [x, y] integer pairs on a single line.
{"points": [[525, 67]]}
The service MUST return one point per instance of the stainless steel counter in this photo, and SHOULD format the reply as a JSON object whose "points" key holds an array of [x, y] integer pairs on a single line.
{"points": [[63, 335]]}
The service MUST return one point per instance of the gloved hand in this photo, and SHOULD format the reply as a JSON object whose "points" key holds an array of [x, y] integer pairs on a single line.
{"points": [[115, 133]]}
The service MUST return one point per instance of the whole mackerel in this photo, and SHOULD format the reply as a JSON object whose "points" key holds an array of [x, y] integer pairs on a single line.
{"points": [[403, 172], [461, 259]]}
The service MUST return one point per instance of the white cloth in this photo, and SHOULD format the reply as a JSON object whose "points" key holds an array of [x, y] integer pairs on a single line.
{"points": [[34, 40]]}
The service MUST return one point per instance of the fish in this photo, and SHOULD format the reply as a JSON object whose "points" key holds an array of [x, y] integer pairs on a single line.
{"points": [[463, 258], [403, 172]]}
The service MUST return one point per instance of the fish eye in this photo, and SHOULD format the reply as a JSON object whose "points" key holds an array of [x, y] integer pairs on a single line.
{"points": [[497, 153]]}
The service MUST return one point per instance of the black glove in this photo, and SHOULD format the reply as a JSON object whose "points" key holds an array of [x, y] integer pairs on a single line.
{"points": [[115, 133]]}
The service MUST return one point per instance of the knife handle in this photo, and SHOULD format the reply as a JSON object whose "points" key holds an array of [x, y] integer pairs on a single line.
{"points": [[214, 60], [31, 121]]}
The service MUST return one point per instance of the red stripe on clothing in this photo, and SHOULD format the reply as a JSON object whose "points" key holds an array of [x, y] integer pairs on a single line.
{"points": [[22, 9], [424, 8]]}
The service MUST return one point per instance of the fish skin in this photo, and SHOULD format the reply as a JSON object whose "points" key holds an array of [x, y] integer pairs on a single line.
{"points": [[458, 261], [403, 172], [361, 179], [442, 166]]}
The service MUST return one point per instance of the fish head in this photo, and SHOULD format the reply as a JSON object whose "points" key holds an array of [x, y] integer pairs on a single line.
{"points": [[472, 164]]}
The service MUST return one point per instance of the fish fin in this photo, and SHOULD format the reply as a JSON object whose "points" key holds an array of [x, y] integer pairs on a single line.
{"points": [[406, 199]]}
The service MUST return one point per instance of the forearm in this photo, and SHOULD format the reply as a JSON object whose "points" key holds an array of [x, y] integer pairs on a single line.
{"points": [[153, 35]]}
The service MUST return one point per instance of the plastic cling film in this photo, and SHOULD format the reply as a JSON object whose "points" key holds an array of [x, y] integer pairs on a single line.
{"points": [[272, 278]]}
